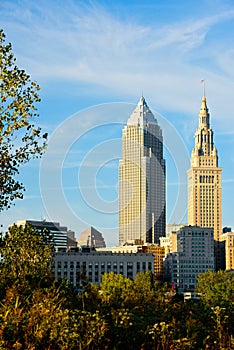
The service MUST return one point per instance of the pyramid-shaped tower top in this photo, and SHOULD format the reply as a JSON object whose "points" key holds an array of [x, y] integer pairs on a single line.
{"points": [[141, 114]]}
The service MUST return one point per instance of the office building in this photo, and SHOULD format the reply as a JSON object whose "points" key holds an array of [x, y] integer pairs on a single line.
{"points": [[142, 213], [60, 233], [155, 249], [195, 254], [89, 265], [158, 253]]}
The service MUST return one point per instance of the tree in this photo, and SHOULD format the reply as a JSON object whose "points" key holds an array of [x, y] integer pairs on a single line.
{"points": [[20, 139], [143, 288], [216, 288], [217, 294], [116, 289], [26, 257]]}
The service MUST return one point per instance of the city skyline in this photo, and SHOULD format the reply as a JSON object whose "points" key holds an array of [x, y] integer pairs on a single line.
{"points": [[88, 54]]}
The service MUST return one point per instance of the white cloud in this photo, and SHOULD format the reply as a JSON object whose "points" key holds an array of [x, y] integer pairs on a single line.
{"points": [[228, 181], [65, 45], [190, 33], [91, 164], [90, 187], [77, 42]]}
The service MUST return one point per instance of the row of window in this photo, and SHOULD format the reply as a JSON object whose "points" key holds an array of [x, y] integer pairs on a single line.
{"points": [[195, 233], [96, 265]]}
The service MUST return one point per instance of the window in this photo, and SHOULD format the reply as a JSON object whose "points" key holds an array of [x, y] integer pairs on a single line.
{"points": [[108, 267]]}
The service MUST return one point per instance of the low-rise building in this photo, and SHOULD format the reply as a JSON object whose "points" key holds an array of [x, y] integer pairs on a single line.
{"points": [[227, 244], [126, 248], [89, 265], [137, 246]]}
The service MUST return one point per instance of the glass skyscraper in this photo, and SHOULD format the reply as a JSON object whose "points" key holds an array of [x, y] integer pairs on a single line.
{"points": [[142, 203]]}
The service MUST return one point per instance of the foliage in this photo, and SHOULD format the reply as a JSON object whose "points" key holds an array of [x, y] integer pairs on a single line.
{"points": [[115, 289], [38, 313], [20, 139], [28, 322], [144, 288], [216, 288], [26, 256]]}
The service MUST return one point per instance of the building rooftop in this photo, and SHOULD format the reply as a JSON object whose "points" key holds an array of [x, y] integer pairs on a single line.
{"points": [[141, 114]]}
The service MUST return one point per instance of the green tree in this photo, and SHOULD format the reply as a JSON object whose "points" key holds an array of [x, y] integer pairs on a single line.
{"points": [[26, 257], [217, 295], [216, 288], [20, 139], [115, 289]]}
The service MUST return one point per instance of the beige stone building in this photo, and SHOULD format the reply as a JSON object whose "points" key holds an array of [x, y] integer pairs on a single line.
{"points": [[228, 248], [142, 179], [205, 178]]}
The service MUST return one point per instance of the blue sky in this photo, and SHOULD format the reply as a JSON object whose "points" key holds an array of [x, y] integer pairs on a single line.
{"points": [[92, 60]]}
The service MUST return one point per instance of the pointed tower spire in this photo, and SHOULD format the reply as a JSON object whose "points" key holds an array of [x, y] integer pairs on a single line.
{"points": [[204, 117], [204, 135]]}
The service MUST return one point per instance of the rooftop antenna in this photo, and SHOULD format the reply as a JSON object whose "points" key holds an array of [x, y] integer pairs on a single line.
{"points": [[204, 87]]}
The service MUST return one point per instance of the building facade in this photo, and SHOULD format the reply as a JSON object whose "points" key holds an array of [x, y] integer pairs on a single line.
{"points": [[227, 248], [89, 266], [159, 253], [195, 254], [205, 178], [168, 242], [142, 214], [155, 249], [60, 233]]}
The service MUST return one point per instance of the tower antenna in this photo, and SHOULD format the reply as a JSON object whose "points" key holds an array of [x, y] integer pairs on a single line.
{"points": [[204, 87]]}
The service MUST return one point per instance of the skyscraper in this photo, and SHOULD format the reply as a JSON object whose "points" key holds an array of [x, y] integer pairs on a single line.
{"points": [[205, 178], [142, 213]]}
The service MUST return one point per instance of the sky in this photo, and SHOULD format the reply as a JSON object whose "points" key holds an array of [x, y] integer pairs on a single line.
{"points": [[93, 60]]}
